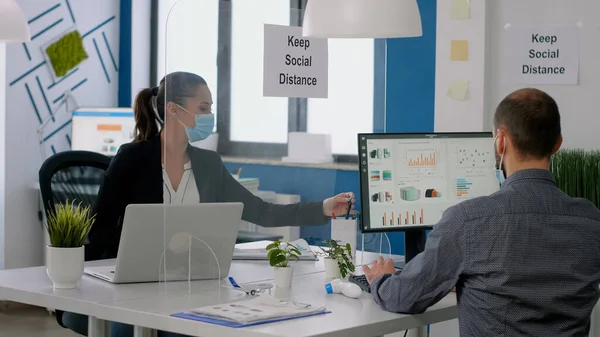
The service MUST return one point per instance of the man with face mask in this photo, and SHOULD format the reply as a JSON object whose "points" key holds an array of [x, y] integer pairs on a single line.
{"points": [[525, 260]]}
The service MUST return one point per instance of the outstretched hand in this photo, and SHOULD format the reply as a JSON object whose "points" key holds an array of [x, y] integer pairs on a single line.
{"points": [[379, 268], [338, 205]]}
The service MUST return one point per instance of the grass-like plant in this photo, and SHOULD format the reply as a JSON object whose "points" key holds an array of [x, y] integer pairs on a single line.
{"points": [[69, 225], [577, 173], [281, 253], [342, 254]]}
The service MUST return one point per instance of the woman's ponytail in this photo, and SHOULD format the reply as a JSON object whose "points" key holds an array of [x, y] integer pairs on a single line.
{"points": [[146, 124]]}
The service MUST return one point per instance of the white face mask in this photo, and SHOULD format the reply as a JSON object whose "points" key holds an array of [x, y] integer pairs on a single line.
{"points": [[499, 172]]}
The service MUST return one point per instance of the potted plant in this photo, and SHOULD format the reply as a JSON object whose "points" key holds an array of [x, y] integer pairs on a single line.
{"points": [[280, 254], [68, 227], [338, 260]]}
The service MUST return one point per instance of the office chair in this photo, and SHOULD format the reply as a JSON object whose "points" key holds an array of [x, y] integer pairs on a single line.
{"points": [[73, 176]]}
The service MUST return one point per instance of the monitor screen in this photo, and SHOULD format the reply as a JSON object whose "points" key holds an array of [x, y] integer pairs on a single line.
{"points": [[102, 130], [407, 181]]}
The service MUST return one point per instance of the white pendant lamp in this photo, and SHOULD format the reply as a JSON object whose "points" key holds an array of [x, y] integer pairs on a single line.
{"points": [[13, 24], [362, 19]]}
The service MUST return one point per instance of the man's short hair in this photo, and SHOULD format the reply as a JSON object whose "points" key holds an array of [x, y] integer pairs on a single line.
{"points": [[532, 120]]}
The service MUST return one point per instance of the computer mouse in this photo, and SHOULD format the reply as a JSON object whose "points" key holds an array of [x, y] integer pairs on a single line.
{"points": [[351, 290]]}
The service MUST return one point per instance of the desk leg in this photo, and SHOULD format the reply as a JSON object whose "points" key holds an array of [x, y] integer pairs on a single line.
{"points": [[98, 327], [418, 332], [140, 331]]}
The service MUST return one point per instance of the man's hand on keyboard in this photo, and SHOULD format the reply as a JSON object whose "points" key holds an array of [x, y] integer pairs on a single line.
{"points": [[378, 268]]}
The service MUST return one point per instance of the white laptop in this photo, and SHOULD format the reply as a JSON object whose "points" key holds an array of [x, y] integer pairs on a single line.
{"points": [[144, 236]]}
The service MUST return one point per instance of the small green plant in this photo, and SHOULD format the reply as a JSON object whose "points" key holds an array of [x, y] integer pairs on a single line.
{"points": [[577, 173], [69, 225], [340, 253], [281, 253]]}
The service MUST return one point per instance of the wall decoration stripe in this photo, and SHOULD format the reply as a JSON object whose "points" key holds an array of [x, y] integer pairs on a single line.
{"points": [[28, 72], [112, 57], [33, 37], [35, 108], [98, 27], [62, 78], [43, 13], [70, 11], [101, 60]]}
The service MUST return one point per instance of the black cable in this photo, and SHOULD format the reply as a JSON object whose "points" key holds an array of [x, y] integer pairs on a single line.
{"points": [[405, 333]]}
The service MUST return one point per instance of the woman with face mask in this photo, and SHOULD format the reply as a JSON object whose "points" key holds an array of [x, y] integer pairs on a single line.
{"points": [[160, 166]]}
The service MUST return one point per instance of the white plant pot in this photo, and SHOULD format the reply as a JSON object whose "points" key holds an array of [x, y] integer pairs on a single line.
{"points": [[283, 276], [332, 270], [65, 266]]}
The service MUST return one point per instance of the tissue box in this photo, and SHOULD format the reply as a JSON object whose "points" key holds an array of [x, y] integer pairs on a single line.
{"points": [[309, 148]]}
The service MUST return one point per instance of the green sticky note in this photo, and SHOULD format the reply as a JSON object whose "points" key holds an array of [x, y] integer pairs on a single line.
{"points": [[66, 53]]}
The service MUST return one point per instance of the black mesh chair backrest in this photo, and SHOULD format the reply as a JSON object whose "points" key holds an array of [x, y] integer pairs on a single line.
{"points": [[74, 176], [71, 176]]}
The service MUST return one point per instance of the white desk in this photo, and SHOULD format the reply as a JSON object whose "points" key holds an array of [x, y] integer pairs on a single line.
{"points": [[149, 306]]}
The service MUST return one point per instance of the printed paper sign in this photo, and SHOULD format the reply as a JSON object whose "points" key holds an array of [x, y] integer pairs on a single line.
{"points": [[542, 55], [294, 66]]}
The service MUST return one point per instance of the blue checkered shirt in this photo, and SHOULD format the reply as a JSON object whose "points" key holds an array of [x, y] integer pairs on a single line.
{"points": [[525, 261]]}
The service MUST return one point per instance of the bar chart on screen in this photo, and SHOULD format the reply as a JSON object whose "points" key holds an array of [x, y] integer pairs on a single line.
{"points": [[463, 186], [421, 157], [413, 217]]}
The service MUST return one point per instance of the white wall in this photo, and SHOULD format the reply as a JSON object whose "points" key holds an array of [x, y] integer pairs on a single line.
{"points": [[140, 47], [456, 115], [23, 241], [2, 143], [578, 104]]}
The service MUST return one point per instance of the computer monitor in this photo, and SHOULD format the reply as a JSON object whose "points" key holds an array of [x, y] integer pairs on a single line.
{"points": [[102, 130], [408, 180]]}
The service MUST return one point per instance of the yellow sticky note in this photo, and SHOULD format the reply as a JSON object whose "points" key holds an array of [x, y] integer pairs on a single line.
{"points": [[461, 10], [458, 90], [459, 50]]}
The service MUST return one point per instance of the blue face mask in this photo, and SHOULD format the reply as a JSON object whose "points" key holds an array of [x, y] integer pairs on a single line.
{"points": [[204, 127], [500, 176]]}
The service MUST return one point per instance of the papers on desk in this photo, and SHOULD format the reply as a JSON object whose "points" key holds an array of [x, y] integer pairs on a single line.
{"points": [[258, 310], [251, 184], [261, 254]]}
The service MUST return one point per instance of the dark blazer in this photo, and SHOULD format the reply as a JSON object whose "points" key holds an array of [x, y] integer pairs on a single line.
{"points": [[135, 177]]}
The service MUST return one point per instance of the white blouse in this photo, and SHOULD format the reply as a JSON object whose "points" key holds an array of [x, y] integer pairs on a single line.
{"points": [[187, 193]]}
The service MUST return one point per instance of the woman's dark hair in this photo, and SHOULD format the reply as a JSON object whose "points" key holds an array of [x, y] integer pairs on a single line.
{"points": [[178, 87]]}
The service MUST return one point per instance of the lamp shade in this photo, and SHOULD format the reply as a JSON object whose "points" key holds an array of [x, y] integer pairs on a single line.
{"points": [[13, 24], [362, 19]]}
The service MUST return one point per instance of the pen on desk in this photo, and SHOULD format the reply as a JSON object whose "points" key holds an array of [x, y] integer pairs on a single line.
{"points": [[239, 171]]}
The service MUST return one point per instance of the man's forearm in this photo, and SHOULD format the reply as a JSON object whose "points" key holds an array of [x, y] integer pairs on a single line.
{"points": [[392, 294]]}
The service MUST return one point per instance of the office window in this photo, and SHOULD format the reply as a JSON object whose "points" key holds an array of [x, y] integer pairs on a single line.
{"points": [[190, 41], [254, 118], [349, 108]]}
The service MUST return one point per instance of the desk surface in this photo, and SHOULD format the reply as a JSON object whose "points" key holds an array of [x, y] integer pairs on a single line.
{"points": [[151, 304]]}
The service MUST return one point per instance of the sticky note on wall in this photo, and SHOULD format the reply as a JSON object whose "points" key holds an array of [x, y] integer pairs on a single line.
{"points": [[458, 90], [459, 50], [461, 10]]}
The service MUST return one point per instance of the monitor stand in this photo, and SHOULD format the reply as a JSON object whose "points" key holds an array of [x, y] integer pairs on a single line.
{"points": [[414, 243]]}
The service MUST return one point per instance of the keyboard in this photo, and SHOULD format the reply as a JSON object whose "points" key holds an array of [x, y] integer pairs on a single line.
{"points": [[361, 281]]}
